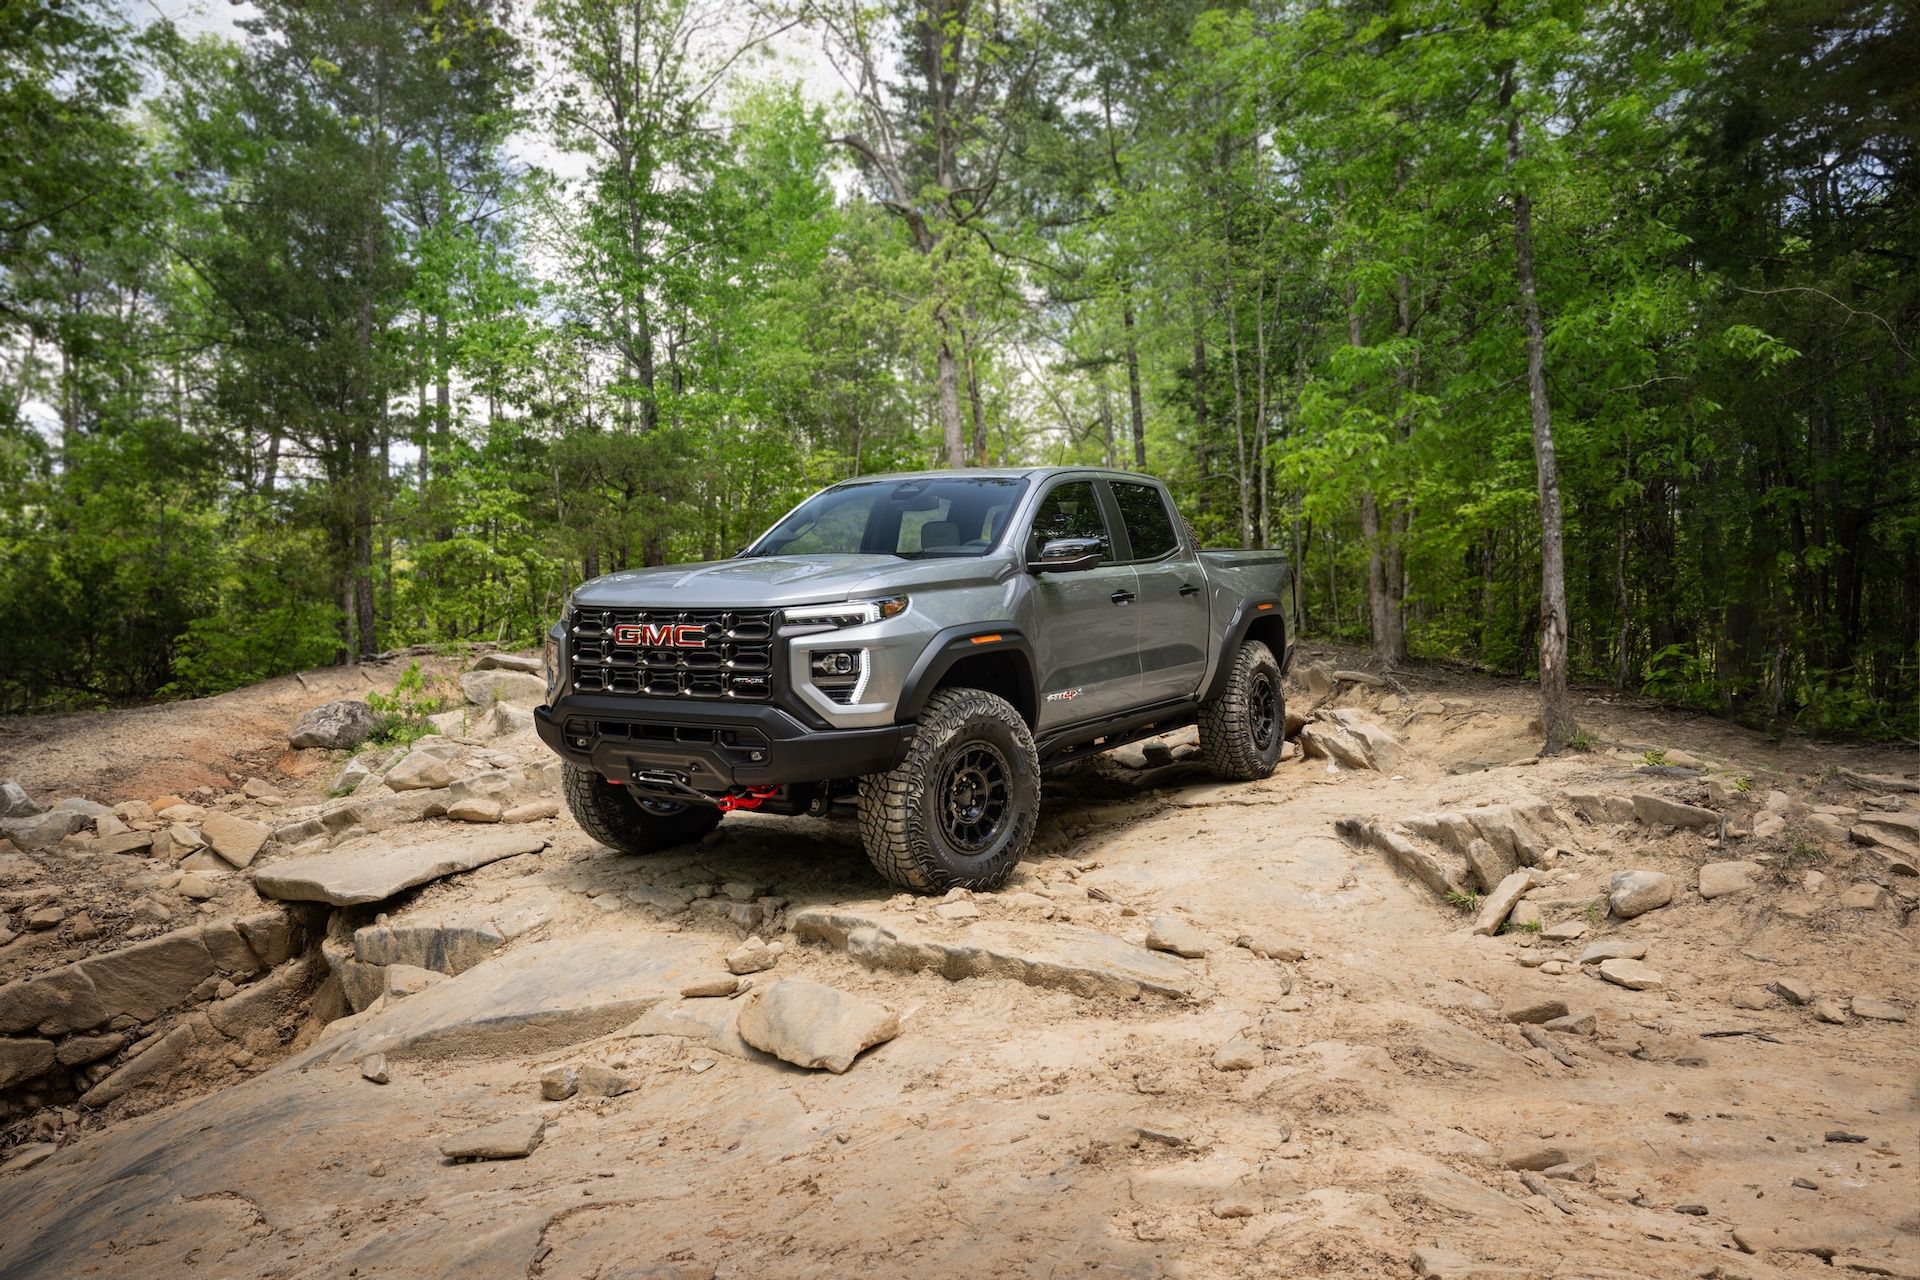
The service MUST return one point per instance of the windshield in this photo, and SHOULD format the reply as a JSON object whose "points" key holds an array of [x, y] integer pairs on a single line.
{"points": [[912, 519]]}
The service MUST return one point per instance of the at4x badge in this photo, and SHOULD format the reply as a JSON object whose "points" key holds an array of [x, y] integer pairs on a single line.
{"points": [[661, 635], [1066, 695]]}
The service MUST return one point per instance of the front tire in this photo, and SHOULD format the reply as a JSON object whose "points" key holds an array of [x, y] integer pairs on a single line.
{"points": [[1241, 730], [960, 809], [609, 813]]}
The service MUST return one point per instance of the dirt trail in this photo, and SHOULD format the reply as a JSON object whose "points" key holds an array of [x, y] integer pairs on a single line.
{"points": [[1353, 1113]]}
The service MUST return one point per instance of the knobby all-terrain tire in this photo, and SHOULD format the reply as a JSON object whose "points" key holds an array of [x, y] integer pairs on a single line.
{"points": [[609, 813], [1240, 734], [912, 818]]}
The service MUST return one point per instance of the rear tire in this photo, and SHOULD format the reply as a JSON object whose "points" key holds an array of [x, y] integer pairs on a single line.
{"points": [[609, 813], [1241, 731], [960, 809]]}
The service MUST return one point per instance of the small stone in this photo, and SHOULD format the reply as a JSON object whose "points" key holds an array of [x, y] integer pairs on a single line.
{"points": [[235, 839], [1691, 1210], [699, 1066], [374, 1067], [1750, 998], [708, 988], [1613, 949], [1830, 1011], [1534, 1009], [1533, 1157], [1269, 947], [753, 956], [1658, 811], [1574, 1024], [1806, 1184], [1565, 931], [1176, 936], [420, 770], [956, 911], [475, 809], [1877, 1009], [1841, 1135], [194, 886], [1792, 990], [335, 726], [1718, 879], [604, 1082], [513, 1139], [1863, 897], [45, 918], [1434, 1263], [532, 811], [815, 1026], [226, 990], [1634, 893], [557, 1084], [1236, 1207], [1238, 1055], [378, 1170], [1632, 975]]}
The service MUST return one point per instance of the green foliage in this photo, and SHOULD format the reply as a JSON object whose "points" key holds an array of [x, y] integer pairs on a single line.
{"points": [[1463, 901], [403, 713], [299, 360]]}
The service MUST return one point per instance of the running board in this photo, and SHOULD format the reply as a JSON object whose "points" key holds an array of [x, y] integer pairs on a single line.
{"points": [[1074, 743]]}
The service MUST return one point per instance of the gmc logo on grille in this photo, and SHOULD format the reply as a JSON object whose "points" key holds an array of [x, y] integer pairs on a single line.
{"points": [[661, 635]]}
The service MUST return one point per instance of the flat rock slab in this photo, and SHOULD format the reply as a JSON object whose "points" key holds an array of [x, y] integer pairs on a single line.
{"points": [[1085, 962], [374, 868], [544, 997], [514, 1139]]}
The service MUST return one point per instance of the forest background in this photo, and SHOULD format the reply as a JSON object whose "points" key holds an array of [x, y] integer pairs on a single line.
{"points": [[389, 321]]}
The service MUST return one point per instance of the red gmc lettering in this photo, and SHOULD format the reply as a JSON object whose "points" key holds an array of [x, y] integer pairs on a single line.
{"points": [[661, 635]]}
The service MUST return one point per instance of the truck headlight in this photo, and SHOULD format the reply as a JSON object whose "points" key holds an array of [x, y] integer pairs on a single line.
{"points": [[849, 613], [550, 659]]}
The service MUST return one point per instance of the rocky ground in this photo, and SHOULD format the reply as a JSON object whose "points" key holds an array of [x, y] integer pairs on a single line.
{"points": [[1419, 1004]]}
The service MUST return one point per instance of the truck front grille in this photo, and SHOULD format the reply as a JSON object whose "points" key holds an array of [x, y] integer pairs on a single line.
{"points": [[672, 653]]}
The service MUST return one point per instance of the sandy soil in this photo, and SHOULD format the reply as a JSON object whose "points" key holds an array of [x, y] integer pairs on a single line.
{"points": [[1016, 1131]]}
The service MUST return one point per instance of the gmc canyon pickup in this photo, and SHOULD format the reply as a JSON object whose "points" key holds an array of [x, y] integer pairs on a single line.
{"points": [[920, 645]]}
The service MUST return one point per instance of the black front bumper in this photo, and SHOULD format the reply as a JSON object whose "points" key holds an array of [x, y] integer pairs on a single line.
{"points": [[715, 747]]}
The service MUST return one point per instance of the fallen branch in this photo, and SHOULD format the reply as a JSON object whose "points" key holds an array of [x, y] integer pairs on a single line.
{"points": [[1757, 1034], [1876, 781]]}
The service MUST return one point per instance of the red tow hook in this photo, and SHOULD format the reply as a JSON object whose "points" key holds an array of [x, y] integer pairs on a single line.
{"points": [[752, 798]]}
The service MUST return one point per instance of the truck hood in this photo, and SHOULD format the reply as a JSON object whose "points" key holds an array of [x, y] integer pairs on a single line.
{"points": [[773, 581]]}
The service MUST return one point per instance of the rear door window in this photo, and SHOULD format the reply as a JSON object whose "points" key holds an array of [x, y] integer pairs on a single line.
{"points": [[1144, 512]]}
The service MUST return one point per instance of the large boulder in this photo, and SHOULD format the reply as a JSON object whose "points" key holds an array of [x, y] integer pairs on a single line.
{"points": [[337, 726], [815, 1026], [42, 830], [16, 803], [420, 771], [484, 688]]}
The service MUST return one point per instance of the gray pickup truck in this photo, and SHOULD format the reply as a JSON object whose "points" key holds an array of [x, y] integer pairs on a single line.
{"points": [[920, 645]]}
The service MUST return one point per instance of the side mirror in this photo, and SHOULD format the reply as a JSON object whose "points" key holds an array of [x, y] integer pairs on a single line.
{"points": [[1066, 555]]}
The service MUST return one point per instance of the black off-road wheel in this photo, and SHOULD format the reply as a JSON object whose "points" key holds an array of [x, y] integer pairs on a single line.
{"points": [[960, 809], [610, 814], [1241, 730]]}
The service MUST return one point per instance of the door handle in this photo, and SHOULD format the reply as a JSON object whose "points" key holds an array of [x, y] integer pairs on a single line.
{"points": [[1122, 597], [1188, 589]]}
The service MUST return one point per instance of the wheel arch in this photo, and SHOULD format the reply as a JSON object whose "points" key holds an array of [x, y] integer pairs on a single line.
{"points": [[995, 660], [1260, 618]]}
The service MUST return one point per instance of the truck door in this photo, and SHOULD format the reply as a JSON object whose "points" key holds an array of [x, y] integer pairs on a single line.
{"points": [[1088, 643], [1172, 606]]}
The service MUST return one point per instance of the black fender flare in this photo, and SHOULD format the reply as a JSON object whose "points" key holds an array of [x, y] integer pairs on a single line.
{"points": [[952, 645], [1266, 610]]}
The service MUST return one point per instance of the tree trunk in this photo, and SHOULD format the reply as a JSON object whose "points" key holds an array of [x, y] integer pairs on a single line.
{"points": [[1556, 708], [953, 440], [1133, 380]]}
